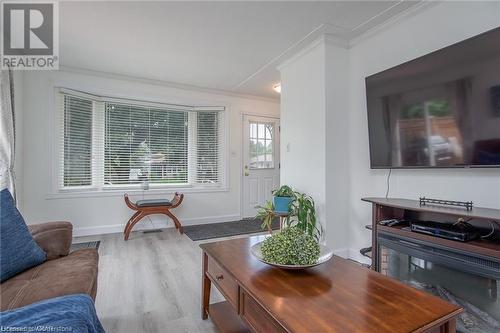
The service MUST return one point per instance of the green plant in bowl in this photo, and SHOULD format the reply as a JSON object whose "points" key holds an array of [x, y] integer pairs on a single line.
{"points": [[291, 246]]}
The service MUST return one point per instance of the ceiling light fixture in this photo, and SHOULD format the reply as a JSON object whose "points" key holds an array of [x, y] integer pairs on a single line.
{"points": [[277, 88]]}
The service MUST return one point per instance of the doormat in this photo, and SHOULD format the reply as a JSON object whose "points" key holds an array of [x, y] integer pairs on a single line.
{"points": [[226, 229]]}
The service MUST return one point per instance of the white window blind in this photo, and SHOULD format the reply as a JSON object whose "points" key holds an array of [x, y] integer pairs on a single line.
{"points": [[208, 147], [77, 142], [109, 143]]}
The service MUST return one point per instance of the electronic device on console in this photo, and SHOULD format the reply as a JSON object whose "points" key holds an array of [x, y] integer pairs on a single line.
{"points": [[460, 231]]}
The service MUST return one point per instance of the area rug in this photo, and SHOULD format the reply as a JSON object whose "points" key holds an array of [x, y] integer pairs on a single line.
{"points": [[226, 229], [84, 245]]}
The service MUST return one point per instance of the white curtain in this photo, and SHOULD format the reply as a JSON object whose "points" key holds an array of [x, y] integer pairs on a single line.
{"points": [[7, 133]]}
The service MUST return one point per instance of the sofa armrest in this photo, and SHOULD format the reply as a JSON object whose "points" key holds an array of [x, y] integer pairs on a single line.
{"points": [[53, 237]]}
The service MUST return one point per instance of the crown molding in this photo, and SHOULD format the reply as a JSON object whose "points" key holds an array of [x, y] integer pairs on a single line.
{"points": [[325, 38], [130, 78], [297, 47], [336, 41], [343, 38], [393, 20], [300, 53]]}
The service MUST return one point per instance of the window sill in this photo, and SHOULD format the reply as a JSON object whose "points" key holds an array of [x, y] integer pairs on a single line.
{"points": [[119, 192]]}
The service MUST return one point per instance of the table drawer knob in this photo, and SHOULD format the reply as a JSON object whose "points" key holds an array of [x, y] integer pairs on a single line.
{"points": [[219, 277]]}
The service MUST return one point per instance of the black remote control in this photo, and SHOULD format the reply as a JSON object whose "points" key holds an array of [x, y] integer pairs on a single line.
{"points": [[397, 222], [387, 222]]}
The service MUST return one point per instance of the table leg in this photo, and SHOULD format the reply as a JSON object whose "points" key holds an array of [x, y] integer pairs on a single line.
{"points": [[449, 326], [205, 288]]}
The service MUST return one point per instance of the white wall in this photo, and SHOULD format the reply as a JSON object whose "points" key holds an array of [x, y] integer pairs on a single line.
{"points": [[337, 146], [303, 159], [314, 112], [416, 35], [102, 214]]}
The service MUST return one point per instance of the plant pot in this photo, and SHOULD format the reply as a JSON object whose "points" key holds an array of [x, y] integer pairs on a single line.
{"points": [[282, 204]]}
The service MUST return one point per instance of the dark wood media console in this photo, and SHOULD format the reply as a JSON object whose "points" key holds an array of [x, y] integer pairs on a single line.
{"points": [[390, 208]]}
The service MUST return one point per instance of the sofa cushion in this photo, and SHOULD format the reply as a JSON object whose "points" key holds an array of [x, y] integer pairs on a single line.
{"points": [[18, 250], [53, 237], [73, 274]]}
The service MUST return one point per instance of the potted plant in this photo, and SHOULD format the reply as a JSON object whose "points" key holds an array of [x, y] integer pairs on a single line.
{"points": [[297, 246], [283, 198], [266, 213], [303, 214]]}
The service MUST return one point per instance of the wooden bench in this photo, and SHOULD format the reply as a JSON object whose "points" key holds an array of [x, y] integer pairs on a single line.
{"points": [[144, 208]]}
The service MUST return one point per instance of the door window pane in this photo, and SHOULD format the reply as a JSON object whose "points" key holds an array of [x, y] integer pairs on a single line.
{"points": [[261, 147]]}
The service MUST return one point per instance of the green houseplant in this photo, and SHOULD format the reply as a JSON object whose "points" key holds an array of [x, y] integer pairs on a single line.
{"points": [[291, 246], [266, 213], [300, 208], [297, 245], [303, 215], [282, 199]]}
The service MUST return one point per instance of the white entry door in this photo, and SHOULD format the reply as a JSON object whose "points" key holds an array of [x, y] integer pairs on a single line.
{"points": [[261, 161]]}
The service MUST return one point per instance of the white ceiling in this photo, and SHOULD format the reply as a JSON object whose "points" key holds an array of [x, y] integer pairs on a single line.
{"points": [[230, 46]]}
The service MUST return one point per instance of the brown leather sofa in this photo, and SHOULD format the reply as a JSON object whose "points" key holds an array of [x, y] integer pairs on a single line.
{"points": [[62, 274]]}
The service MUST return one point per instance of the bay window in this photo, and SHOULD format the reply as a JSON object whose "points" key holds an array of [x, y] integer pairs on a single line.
{"points": [[111, 143]]}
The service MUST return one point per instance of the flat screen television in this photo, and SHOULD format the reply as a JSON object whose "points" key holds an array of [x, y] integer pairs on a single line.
{"points": [[441, 110]]}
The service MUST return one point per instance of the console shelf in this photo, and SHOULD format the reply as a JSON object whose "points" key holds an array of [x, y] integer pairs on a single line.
{"points": [[476, 212], [395, 208], [484, 247]]}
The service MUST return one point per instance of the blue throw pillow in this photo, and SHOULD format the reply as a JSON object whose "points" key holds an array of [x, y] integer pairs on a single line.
{"points": [[18, 249], [72, 313]]}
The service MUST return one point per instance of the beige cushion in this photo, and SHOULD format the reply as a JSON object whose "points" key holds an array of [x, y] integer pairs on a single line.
{"points": [[72, 274]]}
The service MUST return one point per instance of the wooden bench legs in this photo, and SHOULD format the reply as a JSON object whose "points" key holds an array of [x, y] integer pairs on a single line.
{"points": [[143, 211], [142, 214]]}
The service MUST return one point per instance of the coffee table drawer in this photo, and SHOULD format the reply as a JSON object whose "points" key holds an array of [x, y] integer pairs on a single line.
{"points": [[256, 317], [223, 281]]}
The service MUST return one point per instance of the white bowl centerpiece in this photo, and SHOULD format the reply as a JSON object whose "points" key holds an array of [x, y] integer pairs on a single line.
{"points": [[291, 248]]}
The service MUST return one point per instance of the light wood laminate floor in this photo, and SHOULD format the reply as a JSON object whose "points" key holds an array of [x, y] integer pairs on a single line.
{"points": [[151, 283]]}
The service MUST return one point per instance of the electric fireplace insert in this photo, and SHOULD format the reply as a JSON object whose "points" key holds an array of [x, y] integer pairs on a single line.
{"points": [[471, 281]]}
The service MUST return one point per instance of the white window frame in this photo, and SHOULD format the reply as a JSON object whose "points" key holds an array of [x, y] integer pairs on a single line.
{"points": [[98, 188]]}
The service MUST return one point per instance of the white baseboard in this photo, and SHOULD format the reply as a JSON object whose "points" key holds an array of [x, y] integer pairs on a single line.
{"points": [[210, 219], [98, 230], [356, 256], [353, 254], [153, 223]]}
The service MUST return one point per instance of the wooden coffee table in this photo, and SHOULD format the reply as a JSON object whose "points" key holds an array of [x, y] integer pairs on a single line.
{"points": [[338, 296]]}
